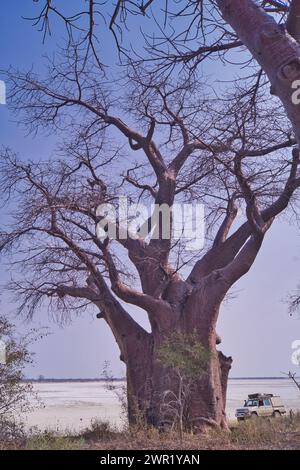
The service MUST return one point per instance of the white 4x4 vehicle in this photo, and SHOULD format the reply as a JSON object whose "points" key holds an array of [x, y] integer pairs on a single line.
{"points": [[261, 404]]}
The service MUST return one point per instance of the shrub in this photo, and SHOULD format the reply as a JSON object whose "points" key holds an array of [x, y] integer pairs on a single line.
{"points": [[16, 396], [185, 355]]}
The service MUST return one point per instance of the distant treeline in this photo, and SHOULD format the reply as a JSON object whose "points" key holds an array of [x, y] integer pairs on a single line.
{"points": [[121, 379], [117, 379]]}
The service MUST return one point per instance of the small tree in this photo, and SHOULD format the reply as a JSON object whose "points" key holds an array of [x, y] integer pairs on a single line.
{"points": [[15, 394], [185, 355], [119, 390]]}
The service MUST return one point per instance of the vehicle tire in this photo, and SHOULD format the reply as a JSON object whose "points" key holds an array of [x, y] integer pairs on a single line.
{"points": [[254, 415], [276, 414]]}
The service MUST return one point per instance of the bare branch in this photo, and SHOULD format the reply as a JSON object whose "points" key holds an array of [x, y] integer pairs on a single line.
{"points": [[231, 214], [155, 307]]}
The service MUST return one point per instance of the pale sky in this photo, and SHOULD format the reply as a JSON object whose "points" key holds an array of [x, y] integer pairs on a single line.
{"points": [[255, 325]]}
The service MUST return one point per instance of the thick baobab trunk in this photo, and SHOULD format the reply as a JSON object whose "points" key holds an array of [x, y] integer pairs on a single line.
{"points": [[148, 379]]}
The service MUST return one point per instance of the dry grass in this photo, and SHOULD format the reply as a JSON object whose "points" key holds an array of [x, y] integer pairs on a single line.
{"points": [[279, 433], [273, 433]]}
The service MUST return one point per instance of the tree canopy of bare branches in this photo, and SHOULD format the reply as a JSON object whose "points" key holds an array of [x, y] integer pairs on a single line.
{"points": [[158, 129]]}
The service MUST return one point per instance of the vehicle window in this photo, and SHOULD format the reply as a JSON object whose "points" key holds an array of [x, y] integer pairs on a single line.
{"points": [[251, 403], [267, 402]]}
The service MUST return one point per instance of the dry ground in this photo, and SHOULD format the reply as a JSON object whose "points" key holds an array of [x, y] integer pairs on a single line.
{"points": [[273, 433]]}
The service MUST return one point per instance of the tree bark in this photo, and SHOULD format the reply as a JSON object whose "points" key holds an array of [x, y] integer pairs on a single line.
{"points": [[275, 47], [148, 379]]}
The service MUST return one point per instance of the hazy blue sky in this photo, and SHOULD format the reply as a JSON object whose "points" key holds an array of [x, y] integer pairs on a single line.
{"points": [[255, 325]]}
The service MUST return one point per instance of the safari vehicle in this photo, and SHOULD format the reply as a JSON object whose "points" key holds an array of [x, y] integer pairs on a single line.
{"points": [[261, 405]]}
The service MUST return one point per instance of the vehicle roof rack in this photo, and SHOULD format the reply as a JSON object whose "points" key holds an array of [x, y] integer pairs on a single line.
{"points": [[260, 395]]}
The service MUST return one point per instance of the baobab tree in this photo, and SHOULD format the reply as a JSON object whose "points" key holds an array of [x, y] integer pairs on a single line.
{"points": [[165, 139]]}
